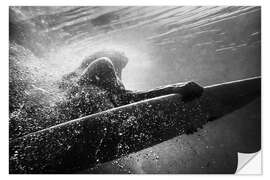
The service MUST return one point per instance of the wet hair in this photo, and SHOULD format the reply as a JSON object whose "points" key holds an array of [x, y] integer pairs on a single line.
{"points": [[118, 59], [101, 73]]}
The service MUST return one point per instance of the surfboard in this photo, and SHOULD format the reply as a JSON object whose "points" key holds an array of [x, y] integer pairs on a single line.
{"points": [[98, 138]]}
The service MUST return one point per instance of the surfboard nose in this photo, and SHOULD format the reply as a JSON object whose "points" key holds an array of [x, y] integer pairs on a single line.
{"points": [[235, 94]]}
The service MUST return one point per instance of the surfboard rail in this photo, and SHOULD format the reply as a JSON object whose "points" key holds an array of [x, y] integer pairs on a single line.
{"points": [[111, 134]]}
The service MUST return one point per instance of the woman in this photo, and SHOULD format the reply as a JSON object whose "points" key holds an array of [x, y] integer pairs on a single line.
{"points": [[93, 87], [96, 86]]}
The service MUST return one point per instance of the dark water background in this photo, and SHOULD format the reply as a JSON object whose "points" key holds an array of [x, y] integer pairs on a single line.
{"points": [[164, 45]]}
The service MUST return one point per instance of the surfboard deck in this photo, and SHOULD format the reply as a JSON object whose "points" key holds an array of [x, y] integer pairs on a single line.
{"points": [[101, 137]]}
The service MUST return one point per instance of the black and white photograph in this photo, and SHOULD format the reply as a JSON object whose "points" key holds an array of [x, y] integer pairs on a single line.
{"points": [[133, 89]]}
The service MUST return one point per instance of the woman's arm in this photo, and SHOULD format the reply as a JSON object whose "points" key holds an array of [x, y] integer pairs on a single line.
{"points": [[187, 90]]}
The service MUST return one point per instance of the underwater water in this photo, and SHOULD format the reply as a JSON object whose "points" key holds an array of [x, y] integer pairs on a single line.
{"points": [[164, 45]]}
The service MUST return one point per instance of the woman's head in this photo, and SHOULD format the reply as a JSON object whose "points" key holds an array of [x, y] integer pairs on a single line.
{"points": [[118, 59]]}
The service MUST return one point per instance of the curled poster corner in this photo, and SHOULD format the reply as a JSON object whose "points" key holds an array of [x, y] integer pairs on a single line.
{"points": [[249, 164]]}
